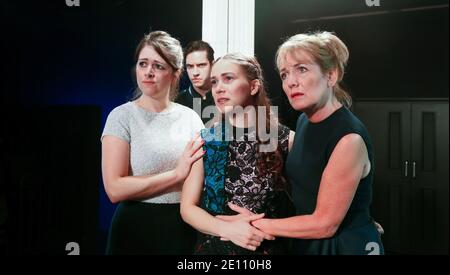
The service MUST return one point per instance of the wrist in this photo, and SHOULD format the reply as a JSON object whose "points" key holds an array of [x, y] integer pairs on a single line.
{"points": [[221, 227], [176, 177]]}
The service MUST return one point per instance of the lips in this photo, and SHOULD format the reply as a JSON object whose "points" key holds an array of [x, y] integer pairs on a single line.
{"points": [[222, 100], [296, 95], [148, 82]]}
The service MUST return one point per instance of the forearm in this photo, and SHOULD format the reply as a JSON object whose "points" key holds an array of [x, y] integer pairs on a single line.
{"points": [[201, 220], [301, 227], [141, 187]]}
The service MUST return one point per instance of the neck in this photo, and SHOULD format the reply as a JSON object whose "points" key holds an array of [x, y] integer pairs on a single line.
{"points": [[202, 91], [321, 111], [151, 104]]}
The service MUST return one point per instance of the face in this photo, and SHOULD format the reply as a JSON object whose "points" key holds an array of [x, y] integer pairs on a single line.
{"points": [[230, 86], [306, 87], [154, 75], [199, 69]]}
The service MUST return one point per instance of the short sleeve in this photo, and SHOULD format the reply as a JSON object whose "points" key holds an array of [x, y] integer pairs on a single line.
{"points": [[197, 124], [117, 125]]}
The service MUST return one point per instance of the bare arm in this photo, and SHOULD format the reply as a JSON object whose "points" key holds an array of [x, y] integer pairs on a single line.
{"points": [[239, 232], [347, 165], [119, 185]]}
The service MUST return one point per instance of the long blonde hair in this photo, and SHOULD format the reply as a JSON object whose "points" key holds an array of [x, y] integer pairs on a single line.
{"points": [[270, 162]]}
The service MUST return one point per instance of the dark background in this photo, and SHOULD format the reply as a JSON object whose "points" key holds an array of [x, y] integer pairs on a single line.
{"points": [[65, 68], [397, 54]]}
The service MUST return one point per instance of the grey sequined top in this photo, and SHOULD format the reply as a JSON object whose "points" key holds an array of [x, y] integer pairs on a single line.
{"points": [[156, 140]]}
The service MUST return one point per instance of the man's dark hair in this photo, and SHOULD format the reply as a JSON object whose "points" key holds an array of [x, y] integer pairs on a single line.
{"points": [[200, 45]]}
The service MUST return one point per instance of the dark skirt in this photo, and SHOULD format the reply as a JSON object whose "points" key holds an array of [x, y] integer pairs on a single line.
{"points": [[149, 228], [212, 245], [358, 240]]}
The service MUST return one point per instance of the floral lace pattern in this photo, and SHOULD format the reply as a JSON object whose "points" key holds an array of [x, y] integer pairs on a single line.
{"points": [[231, 174]]}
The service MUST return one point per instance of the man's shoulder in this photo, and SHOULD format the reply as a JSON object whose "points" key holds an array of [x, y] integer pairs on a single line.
{"points": [[183, 96]]}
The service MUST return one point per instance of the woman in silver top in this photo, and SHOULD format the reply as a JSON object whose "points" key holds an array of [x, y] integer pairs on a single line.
{"points": [[148, 148]]}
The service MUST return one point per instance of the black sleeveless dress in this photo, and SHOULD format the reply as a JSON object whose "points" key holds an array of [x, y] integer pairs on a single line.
{"points": [[312, 148]]}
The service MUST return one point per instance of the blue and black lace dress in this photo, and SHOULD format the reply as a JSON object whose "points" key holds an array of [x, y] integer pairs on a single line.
{"points": [[231, 175]]}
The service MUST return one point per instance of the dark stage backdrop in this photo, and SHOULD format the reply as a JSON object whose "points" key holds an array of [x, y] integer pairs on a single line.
{"points": [[74, 63], [397, 50]]}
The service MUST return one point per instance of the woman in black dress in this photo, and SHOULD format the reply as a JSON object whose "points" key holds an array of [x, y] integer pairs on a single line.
{"points": [[330, 165]]}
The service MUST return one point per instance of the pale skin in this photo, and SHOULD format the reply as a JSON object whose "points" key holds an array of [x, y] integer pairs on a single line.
{"points": [[310, 90], [198, 68], [230, 87], [155, 78]]}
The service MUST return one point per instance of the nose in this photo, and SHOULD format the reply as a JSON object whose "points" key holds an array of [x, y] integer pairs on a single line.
{"points": [[291, 81], [218, 88], [150, 72], [195, 71]]}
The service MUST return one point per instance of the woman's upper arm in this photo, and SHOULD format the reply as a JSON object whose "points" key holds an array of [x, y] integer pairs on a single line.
{"points": [[340, 179], [193, 185], [115, 158]]}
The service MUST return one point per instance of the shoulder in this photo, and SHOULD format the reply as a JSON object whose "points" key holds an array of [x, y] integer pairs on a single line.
{"points": [[180, 108], [121, 111], [183, 95], [350, 132], [350, 120], [188, 117], [348, 123]]}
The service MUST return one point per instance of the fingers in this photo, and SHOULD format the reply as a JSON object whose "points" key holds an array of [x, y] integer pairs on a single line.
{"points": [[265, 235], [239, 209], [195, 141], [197, 145], [251, 245], [198, 155], [193, 151], [254, 217]]}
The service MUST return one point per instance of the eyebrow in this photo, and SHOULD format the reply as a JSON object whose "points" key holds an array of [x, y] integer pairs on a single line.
{"points": [[154, 60], [222, 74], [296, 64], [193, 63]]}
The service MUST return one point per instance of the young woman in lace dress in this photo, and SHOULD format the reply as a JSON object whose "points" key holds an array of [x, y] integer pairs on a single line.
{"points": [[242, 165]]}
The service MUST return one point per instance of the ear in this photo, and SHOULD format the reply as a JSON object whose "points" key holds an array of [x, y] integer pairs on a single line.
{"points": [[332, 77], [176, 77], [254, 86], [177, 74]]}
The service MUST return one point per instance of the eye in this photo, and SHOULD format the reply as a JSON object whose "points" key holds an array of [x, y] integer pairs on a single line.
{"points": [[142, 64], [213, 82], [159, 67], [283, 76], [228, 78], [302, 69]]}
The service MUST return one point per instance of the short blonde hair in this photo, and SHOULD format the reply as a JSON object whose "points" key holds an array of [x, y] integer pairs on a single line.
{"points": [[327, 50]]}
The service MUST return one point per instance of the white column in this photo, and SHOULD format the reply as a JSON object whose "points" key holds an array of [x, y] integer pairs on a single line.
{"points": [[229, 25], [241, 26]]}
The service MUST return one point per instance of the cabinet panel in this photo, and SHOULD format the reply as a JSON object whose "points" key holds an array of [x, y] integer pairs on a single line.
{"points": [[411, 203], [430, 180], [390, 129]]}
